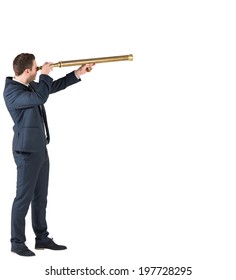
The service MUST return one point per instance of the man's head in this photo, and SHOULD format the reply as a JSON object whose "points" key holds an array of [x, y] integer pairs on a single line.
{"points": [[25, 65]]}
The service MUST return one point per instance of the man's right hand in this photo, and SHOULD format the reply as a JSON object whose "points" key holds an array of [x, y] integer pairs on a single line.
{"points": [[47, 67]]}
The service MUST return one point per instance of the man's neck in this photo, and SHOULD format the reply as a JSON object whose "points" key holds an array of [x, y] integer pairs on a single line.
{"points": [[20, 80]]}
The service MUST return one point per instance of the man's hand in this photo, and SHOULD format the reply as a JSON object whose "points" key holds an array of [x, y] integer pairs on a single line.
{"points": [[84, 69], [47, 68]]}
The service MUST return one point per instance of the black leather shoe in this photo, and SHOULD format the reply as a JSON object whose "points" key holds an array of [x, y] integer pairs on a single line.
{"points": [[48, 243], [23, 250]]}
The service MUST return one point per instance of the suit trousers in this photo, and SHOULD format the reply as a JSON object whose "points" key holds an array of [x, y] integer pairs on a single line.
{"points": [[32, 188]]}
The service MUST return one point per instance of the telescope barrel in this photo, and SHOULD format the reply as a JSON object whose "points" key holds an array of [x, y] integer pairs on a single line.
{"points": [[68, 63]]}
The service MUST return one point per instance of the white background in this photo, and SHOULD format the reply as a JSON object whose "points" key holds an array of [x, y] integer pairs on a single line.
{"points": [[142, 153]]}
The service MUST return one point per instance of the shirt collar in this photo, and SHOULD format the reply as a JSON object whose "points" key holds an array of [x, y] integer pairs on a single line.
{"points": [[20, 82]]}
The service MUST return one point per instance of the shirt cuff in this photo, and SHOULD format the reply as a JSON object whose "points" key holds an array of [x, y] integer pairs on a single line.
{"points": [[78, 77]]}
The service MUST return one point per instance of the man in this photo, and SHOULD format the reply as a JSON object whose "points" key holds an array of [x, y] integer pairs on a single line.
{"points": [[24, 99]]}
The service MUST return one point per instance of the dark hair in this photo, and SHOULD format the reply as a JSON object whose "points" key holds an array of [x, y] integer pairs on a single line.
{"points": [[23, 61]]}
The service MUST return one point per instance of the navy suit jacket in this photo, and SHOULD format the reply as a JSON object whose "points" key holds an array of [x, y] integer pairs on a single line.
{"points": [[23, 106]]}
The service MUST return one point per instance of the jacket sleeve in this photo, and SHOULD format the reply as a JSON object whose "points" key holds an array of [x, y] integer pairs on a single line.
{"points": [[64, 82], [25, 98]]}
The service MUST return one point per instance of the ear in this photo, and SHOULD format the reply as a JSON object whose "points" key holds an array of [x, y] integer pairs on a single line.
{"points": [[27, 71]]}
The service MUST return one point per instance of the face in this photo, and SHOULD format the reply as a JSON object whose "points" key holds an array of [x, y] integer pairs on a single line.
{"points": [[33, 73]]}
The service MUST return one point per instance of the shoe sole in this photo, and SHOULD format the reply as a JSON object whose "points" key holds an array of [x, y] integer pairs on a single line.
{"points": [[23, 255]]}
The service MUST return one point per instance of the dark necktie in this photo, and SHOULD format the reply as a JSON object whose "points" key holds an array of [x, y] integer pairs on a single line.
{"points": [[45, 122], [44, 116]]}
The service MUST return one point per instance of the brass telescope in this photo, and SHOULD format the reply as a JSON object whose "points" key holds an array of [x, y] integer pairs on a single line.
{"points": [[91, 61]]}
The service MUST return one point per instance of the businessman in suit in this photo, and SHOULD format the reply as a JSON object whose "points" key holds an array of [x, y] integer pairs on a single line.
{"points": [[25, 99]]}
